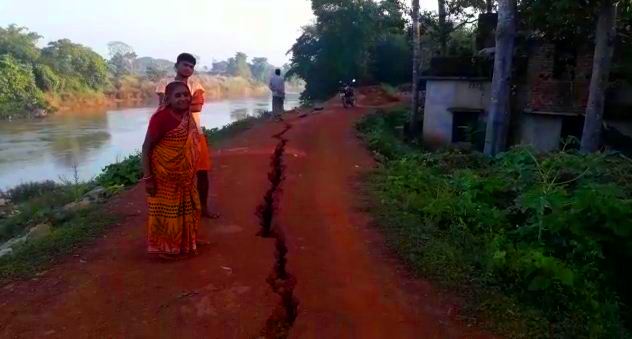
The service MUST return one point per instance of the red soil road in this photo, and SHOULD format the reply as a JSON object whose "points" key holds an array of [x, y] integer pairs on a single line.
{"points": [[347, 284]]}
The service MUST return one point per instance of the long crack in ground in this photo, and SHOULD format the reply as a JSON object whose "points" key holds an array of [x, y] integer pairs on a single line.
{"points": [[280, 280]]}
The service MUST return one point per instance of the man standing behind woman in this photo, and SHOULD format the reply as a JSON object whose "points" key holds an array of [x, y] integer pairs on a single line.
{"points": [[185, 66]]}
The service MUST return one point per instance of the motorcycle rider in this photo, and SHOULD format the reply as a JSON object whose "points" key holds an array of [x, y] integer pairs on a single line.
{"points": [[347, 94]]}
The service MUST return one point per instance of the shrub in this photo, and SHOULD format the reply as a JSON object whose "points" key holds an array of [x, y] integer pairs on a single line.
{"points": [[126, 173], [552, 232], [29, 190]]}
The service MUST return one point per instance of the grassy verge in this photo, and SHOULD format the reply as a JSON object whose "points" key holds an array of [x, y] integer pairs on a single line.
{"points": [[43, 204], [66, 236], [536, 244], [215, 136]]}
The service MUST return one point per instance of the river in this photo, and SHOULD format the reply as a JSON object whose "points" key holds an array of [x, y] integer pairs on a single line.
{"points": [[56, 147]]}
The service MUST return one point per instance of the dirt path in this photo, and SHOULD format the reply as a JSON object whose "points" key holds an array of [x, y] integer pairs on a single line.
{"points": [[320, 271]]}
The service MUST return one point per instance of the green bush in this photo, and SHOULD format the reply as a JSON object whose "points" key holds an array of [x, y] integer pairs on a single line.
{"points": [[18, 92], [216, 135], [67, 235], [29, 190], [125, 173], [46, 79], [552, 232], [38, 203]]}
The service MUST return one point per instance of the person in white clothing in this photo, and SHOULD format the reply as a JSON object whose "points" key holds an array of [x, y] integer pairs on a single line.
{"points": [[277, 86]]}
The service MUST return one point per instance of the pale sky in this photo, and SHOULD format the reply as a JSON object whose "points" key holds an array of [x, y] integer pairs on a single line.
{"points": [[212, 29]]}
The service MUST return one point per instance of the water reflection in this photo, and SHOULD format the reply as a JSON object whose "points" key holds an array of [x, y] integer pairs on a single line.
{"points": [[51, 148]]}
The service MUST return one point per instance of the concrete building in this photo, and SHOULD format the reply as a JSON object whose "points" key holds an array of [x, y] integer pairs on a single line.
{"points": [[549, 97]]}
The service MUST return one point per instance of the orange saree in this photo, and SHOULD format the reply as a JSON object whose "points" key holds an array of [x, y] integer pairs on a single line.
{"points": [[174, 211], [204, 164]]}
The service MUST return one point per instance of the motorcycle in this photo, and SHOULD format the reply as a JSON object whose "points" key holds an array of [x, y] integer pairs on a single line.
{"points": [[347, 94]]}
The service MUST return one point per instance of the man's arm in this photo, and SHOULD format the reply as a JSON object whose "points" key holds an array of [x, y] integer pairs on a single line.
{"points": [[197, 101]]}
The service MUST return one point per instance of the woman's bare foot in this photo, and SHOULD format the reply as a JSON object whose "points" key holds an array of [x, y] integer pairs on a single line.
{"points": [[203, 242], [210, 215], [169, 257]]}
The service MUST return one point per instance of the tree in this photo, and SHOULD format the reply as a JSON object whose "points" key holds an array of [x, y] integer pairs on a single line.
{"points": [[238, 66], [339, 45], [155, 73], [415, 118], [122, 58], [392, 59], [78, 66], [444, 31], [453, 16], [19, 43], [220, 67], [499, 108], [18, 92], [604, 50], [261, 69]]}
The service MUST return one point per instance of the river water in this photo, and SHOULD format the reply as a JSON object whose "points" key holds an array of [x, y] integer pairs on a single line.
{"points": [[56, 147]]}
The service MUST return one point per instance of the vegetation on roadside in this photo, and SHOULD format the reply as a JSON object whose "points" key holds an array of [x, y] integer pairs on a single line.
{"points": [[67, 235], [121, 174], [37, 204], [215, 136], [537, 244], [66, 209]]}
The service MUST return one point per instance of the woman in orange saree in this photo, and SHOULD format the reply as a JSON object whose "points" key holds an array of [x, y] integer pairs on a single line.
{"points": [[170, 158]]}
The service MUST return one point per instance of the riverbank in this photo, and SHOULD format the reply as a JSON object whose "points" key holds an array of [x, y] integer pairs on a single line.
{"points": [[43, 221], [135, 91], [536, 245]]}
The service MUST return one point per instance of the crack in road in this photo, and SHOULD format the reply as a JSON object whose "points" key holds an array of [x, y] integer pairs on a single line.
{"points": [[280, 280]]}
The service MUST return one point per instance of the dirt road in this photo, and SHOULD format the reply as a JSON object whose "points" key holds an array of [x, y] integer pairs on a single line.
{"points": [[292, 255]]}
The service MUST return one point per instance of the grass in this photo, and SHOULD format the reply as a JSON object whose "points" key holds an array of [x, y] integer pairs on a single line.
{"points": [[66, 237], [215, 136], [536, 245], [39, 203]]}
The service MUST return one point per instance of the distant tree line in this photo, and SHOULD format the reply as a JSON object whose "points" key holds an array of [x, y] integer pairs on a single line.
{"points": [[31, 78], [27, 72]]}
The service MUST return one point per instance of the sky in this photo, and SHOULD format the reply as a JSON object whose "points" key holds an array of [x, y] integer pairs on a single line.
{"points": [[211, 29]]}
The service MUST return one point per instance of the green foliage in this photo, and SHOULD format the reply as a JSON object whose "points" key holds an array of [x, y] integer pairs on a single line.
{"points": [[46, 79], [238, 66], [551, 232], [261, 69], [125, 173], [38, 203], [122, 58], [217, 135], [392, 59], [79, 66], [155, 73], [29, 190], [67, 235], [339, 46], [18, 92], [19, 43]]}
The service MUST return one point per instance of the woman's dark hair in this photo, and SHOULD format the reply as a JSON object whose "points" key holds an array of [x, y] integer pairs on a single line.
{"points": [[172, 87], [186, 57], [277, 71]]}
